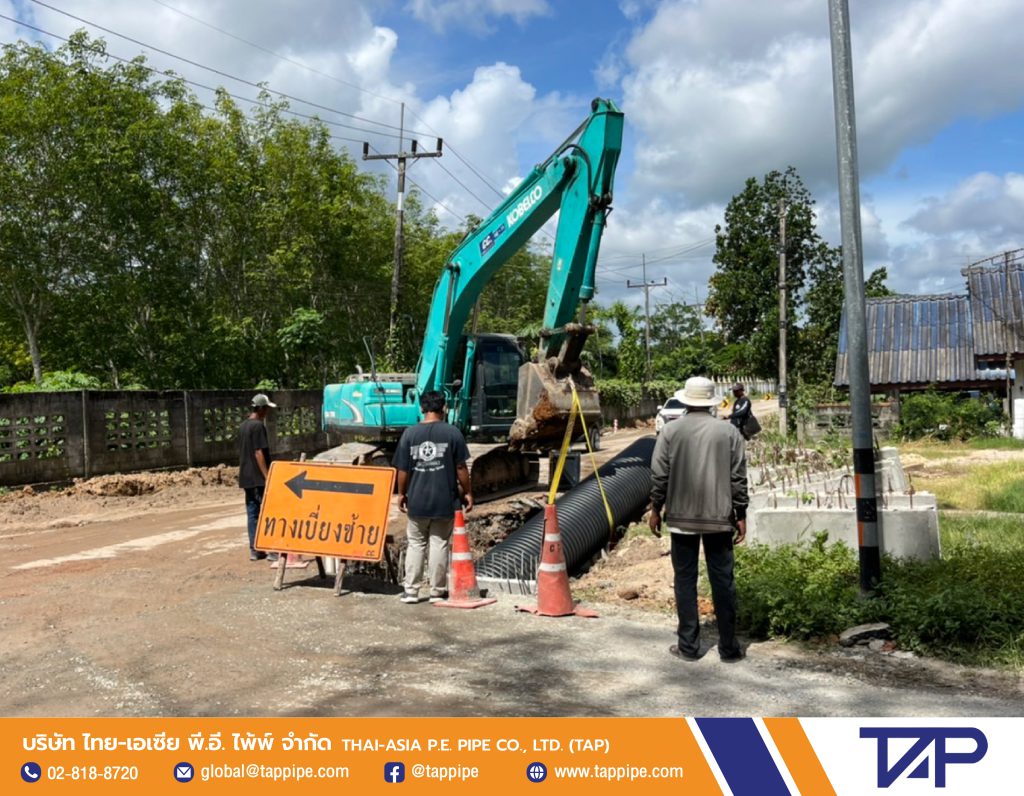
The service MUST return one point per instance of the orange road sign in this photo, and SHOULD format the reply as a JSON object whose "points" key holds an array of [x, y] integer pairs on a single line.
{"points": [[326, 510]]}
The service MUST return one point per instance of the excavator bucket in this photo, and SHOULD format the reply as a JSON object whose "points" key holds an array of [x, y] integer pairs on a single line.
{"points": [[544, 406], [501, 471]]}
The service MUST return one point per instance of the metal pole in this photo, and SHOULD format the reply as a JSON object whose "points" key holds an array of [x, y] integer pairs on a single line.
{"points": [[399, 224], [647, 321], [853, 279], [647, 314], [783, 397], [1007, 314]]}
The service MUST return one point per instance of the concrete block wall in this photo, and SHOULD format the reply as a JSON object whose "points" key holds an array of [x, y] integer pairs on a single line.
{"points": [[904, 533], [47, 437]]}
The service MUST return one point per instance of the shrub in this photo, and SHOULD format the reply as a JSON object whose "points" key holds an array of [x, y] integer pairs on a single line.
{"points": [[619, 392], [797, 591], [967, 606], [948, 416], [57, 381]]}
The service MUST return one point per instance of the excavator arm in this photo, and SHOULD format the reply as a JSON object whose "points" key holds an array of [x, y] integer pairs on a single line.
{"points": [[576, 182]]}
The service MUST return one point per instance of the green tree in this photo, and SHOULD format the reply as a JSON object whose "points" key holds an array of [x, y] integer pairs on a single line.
{"points": [[680, 345], [632, 362], [743, 296], [77, 182]]}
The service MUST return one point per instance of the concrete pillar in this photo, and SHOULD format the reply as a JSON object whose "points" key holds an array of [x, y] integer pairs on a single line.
{"points": [[1016, 410]]}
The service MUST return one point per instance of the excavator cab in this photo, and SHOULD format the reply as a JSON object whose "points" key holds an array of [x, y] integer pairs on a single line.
{"points": [[494, 382]]}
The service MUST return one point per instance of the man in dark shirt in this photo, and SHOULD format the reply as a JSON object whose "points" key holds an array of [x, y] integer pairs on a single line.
{"points": [[254, 464], [741, 409], [431, 463]]}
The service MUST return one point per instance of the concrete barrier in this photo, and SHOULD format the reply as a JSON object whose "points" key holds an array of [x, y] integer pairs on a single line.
{"points": [[920, 500], [904, 533]]}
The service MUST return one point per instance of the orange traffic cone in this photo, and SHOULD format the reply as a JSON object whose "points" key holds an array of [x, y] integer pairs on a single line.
{"points": [[553, 595], [463, 591]]}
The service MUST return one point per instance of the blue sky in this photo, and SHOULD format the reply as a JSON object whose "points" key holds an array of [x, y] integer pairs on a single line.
{"points": [[714, 91]]}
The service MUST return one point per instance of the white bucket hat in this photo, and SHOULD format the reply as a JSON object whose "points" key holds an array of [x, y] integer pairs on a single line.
{"points": [[699, 392]]}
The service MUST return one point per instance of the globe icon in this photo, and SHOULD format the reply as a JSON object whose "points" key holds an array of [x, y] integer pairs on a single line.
{"points": [[536, 772]]}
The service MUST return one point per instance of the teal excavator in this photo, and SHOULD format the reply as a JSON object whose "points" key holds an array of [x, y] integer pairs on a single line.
{"points": [[493, 392]]}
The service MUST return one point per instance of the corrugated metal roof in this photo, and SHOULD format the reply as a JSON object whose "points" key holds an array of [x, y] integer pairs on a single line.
{"points": [[916, 341], [996, 288]]}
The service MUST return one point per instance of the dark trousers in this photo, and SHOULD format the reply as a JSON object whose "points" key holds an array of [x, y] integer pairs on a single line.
{"points": [[253, 501], [719, 557]]}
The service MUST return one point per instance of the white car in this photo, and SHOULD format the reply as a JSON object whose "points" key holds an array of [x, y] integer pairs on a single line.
{"points": [[669, 411]]}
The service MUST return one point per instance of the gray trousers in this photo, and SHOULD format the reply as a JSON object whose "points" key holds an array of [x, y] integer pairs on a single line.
{"points": [[438, 531]]}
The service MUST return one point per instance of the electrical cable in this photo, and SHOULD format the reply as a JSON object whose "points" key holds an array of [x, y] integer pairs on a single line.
{"points": [[158, 73], [267, 50], [222, 73]]}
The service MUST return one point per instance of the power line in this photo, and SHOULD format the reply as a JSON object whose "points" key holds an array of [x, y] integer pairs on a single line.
{"points": [[222, 73], [460, 182], [302, 65], [267, 50], [459, 157], [158, 73]]}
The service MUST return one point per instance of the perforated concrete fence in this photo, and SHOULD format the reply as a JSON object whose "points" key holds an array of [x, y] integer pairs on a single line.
{"points": [[47, 437]]}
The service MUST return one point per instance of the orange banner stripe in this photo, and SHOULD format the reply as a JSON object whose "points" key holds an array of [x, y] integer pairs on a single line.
{"points": [[801, 760]]}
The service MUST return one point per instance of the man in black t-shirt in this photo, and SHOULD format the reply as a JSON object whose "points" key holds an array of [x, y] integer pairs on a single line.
{"points": [[254, 464], [431, 463], [741, 409]]}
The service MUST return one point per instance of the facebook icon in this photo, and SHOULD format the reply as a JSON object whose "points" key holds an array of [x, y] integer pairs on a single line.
{"points": [[394, 772]]}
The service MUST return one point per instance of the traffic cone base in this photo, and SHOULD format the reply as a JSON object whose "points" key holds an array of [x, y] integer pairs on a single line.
{"points": [[466, 603], [464, 592], [576, 611], [553, 595]]}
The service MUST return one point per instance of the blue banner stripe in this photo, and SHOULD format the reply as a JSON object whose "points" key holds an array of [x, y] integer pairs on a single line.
{"points": [[745, 761]]}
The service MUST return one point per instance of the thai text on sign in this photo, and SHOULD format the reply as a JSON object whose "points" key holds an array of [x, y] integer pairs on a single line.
{"points": [[326, 510]]}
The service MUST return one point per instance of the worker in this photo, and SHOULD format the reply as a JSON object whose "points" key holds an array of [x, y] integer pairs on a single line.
{"points": [[431, 463], [254, 464], [699, 491], [741, 409]]}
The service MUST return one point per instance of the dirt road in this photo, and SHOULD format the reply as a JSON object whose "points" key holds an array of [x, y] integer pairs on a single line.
{"points": [[146, 604]]}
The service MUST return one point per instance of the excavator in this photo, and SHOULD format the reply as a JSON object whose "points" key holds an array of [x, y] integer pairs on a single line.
{"points": [[493, 392]]}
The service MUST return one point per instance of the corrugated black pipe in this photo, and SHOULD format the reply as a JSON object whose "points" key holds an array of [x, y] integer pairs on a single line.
{"points": [[582, 521]]}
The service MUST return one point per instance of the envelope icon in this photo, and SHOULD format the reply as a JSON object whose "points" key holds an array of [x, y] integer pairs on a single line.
{"points": [[183, 771]]}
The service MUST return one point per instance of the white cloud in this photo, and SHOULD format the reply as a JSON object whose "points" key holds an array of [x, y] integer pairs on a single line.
{"points": [[984, 204], [723, 90], [478, 16]]}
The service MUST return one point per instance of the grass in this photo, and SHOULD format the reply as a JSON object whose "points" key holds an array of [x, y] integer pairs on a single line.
{"points": [[937, 449], [1002, 534], [986, 487]]}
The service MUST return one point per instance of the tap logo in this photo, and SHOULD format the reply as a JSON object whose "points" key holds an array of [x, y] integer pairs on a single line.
{"points": [[924, 737], [394, 772]]}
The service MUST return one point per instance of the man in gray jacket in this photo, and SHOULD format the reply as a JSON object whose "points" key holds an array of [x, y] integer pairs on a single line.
{"points": [[699, 490]]}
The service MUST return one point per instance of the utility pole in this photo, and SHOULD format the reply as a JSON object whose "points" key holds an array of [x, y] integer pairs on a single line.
{"points": [[853, 282], [783, 396], [647, 312], [1008, 313], [401, 156]]}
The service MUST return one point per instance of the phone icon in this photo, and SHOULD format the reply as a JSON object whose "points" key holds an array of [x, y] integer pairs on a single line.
{"points": [[31, 772]]}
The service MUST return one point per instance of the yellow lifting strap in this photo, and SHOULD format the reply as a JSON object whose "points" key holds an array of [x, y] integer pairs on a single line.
{"points": [[577, 409]]}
